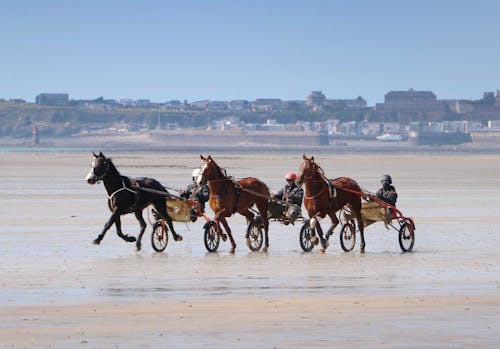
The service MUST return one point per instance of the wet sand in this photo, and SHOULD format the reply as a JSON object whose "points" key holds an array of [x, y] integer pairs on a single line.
{"points": [[60, 291]]}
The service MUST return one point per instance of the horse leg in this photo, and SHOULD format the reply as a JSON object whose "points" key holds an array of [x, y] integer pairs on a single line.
{"points": [[359, 219], [335, 222], [217, 225], [228, 230], [108, 225], [161, 208], [219, 231], [176, 236], [361, 233], [324, 242], [312, 224], [250, 217], [118, 225], [263, 208], [142, 222]]}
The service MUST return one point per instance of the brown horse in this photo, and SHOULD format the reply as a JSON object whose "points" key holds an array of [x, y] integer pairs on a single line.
{"points": [[228, 196], [325, 197]]}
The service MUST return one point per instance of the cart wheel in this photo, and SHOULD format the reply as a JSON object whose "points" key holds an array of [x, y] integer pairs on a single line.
{"points": [[348, 236], [306, 234], [255, 237], [406, 236], [159, 236], [211, 237]]}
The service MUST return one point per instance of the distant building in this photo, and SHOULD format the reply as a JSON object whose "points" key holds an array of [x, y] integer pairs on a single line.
{"points": [[488, 106], [315, 99], [174, 104], [411, 105], [294, 105], [200, 105], [463, 106], [238, 105], [143, 103], [217, 106], [267, 104], [346, 104], [52, 99], [17, 101], [410, 100]]}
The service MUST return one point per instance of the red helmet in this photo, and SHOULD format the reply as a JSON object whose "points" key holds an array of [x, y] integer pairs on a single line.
{"points": [[291, 175]]}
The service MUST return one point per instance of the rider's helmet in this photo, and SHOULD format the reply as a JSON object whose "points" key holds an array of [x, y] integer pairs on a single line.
{"points": [[197, 176], [386, 179], [290, 175]]}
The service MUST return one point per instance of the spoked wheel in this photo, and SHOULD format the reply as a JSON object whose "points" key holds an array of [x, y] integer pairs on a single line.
{"points": [[306, 235], [255, 236], [348, 236], [159, 236], [211, 237], [407, 236]]}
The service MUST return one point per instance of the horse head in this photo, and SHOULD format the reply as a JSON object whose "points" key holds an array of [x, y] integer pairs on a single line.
{"points": [[308, 170], [99, 168], [209, 170]]}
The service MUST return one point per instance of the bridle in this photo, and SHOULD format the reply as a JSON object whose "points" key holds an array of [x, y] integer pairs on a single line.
{"points": [[100, 177], [221, 170], [313, 171], [321, 173]]}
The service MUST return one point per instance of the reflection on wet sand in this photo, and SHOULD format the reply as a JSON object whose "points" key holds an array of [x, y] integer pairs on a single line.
{"points": [[58, 289]]}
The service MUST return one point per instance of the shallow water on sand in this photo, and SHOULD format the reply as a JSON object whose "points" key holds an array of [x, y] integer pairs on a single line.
{"points": [[50, 217]]}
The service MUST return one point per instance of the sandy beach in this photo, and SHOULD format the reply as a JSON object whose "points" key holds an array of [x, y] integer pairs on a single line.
{"points": [[60, 291]]}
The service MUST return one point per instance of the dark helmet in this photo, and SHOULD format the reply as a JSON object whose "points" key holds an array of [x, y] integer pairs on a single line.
{"points": [[386, 178]]}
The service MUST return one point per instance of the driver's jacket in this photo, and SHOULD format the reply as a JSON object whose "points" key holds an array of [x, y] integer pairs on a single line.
{"points": [[291, 194]]}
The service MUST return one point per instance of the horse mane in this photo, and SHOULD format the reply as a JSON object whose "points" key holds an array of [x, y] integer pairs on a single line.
{"points": [[320, 169], [112, 166]]}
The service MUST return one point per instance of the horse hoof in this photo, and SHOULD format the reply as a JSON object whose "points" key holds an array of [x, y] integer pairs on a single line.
{"points": [[362, 248], [265, 249], [325, 245], [315, 240], [130, 238], [138, 247], [96, 242], [178, 238], [232, 250], [322, 250], [224, 237]]}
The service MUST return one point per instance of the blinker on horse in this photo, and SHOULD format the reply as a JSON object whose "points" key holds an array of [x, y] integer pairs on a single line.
{"points": [[325, 197], [228, 196], [125, 196]]}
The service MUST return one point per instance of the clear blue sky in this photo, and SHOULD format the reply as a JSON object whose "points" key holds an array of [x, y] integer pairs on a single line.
{"points": [[230, 49]]}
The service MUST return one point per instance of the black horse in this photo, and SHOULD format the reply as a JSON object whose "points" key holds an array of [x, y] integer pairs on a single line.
{"points": [[125, 195]]}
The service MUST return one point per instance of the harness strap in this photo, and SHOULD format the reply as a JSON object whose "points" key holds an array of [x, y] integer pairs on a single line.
{"points": [[124, 187]]}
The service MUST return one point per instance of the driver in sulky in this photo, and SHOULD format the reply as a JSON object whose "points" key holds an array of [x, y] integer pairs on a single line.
{"points": [[291, 197]]}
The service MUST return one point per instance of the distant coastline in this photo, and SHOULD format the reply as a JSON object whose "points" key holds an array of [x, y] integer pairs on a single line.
{"points": [[198, 142]]}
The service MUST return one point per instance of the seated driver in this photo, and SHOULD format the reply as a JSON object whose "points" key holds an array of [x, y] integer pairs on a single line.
{"points": [[196, 191], [387, 193], [291, 196]]}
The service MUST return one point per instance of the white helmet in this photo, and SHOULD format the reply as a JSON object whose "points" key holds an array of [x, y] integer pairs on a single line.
{"points": [[197, 176]]}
